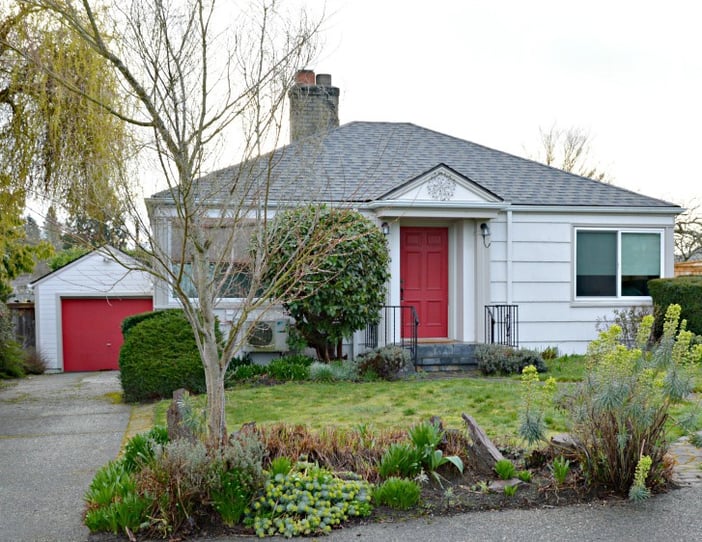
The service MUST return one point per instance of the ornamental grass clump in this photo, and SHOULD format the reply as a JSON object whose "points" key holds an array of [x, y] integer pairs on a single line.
{"points": [[339, 449], [505, 469], [620, 410], [560, 468], [398, 493]]}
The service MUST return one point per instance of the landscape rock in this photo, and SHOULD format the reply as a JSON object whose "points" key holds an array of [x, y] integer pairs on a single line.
{"points": [[485, 453]]}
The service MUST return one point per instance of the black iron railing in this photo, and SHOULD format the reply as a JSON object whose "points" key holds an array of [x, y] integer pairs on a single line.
{"points": [[398, 325], [501, 325]]}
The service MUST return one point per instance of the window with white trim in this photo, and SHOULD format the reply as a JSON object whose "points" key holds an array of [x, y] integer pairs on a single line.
{"points": [[228, 255], [616, 263]]}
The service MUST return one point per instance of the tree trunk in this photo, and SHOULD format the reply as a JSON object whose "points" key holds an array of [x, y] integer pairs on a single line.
{"points": [[215, 369], [339, 349], [216, 421]]}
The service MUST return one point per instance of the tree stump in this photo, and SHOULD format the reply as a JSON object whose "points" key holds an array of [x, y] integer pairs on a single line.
{"points": [[485, 453], [174, 418]]}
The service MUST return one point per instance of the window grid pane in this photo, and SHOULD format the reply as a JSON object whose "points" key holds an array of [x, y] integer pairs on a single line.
{"points": [[641, 262], [596, 260]]}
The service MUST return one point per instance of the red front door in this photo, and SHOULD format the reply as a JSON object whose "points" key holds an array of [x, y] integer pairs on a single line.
{"points": [[92, 333], [424, 279]]}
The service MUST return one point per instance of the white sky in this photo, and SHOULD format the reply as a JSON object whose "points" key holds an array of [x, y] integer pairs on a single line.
{"points": [[494, 71]]}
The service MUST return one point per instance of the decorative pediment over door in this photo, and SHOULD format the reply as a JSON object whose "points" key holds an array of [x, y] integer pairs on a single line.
{"points": [[442, 184]]}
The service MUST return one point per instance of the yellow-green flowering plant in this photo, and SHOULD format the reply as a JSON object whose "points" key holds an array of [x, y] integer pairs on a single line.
{"points": [[535, 395], [619, 412]]}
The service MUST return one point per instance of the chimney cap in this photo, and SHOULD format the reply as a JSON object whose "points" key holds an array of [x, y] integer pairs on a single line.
{"points": [[324, 79], [304, 77]]}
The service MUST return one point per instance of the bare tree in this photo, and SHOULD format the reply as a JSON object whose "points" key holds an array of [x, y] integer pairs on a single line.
{"points": [[688, 233], [569, 150], [193, 75]]}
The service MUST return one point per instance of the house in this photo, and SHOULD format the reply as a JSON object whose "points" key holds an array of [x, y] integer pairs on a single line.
{"points": [[482, 242], [79, 309]]}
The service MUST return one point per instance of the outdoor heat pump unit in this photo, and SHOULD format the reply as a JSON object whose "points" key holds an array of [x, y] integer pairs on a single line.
{"points": [[268, 336]]}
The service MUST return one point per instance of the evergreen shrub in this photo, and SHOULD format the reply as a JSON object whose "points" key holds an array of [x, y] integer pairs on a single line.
{"points": [[159, 356], [683, 291]]}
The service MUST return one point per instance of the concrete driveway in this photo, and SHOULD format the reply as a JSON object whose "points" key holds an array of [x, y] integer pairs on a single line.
{"points": [[55, 432]]}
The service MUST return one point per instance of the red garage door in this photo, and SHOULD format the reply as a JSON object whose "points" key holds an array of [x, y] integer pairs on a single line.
{"points": [[91, 331]]}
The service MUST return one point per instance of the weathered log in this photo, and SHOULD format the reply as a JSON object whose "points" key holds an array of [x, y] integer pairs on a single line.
{"points": [[177, 429], [485, 453]]}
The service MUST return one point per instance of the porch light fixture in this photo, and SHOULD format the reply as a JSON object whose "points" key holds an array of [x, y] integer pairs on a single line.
{"points": [[385, 228], [485, 232]]}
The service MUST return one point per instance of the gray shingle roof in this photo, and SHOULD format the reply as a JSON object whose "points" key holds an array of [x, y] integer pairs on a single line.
{"points": [[362, 161]]}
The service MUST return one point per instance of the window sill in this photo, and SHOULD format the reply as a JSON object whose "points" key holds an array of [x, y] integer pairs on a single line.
{"points": [[612, 302]]}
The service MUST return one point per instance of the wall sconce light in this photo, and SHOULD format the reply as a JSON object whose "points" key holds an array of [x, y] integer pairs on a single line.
{"points": [[485, 232], [385, 228]]}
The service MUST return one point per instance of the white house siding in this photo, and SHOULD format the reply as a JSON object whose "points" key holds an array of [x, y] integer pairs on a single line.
{"points": [[92, 275], [535, 272]]}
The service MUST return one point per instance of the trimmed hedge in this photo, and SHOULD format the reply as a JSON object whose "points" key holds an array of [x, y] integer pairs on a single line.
{"points": [[159, 355], [130, 321], [686, 292]]}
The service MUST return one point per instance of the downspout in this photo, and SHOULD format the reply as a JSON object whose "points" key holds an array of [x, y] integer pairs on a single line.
{"points": [[509, 257]]}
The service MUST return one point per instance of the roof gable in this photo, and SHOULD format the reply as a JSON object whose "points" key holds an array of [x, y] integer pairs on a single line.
{"points": [[441, 184], [106, 252]]}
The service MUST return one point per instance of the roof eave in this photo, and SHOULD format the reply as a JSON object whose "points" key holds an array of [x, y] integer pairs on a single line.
{"points": [[598, 209]]}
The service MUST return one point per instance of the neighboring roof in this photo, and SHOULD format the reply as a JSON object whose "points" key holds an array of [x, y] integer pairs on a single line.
{"points": [[114, 253], [688, 268], [362, 161]]}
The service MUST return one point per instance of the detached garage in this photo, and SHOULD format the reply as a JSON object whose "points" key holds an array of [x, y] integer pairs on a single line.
{"points": [[79, 309]]}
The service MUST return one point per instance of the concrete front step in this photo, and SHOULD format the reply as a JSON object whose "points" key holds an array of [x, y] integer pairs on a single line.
{"points": [[447, 356]]}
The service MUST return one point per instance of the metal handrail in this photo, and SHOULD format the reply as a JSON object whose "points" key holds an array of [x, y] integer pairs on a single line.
{"points": [[502, 325], [390, 329]]}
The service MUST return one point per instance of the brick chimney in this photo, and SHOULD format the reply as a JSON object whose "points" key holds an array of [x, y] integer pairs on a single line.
{"points": [[314, 105]]}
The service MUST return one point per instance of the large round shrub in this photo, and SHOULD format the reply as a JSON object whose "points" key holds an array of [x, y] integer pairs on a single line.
{"points": [[159, 355], [330, 267]]}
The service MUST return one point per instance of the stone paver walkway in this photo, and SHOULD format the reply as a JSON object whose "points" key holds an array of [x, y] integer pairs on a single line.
{"points": [[688, 462]]}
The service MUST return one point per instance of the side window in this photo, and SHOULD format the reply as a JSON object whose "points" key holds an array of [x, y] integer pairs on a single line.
{"points": [[228, 255], [614, 263]]}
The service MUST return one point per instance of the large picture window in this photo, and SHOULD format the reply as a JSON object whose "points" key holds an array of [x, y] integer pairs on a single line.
{"points": [[614, 263]]}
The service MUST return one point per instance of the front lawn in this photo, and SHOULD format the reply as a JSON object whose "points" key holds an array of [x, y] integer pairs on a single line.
{"points": [[493, 402]]}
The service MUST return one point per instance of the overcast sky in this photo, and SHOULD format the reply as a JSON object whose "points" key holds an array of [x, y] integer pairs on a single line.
{"points": [[495, 71]]}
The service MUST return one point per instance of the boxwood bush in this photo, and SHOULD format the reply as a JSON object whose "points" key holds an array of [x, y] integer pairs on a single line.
{"points": [[159, 355]]}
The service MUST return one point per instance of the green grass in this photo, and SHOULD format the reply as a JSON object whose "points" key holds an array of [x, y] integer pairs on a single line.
{"points": [[494, 402], [566, 368]]}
